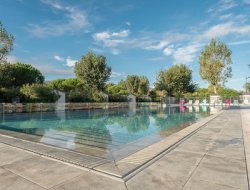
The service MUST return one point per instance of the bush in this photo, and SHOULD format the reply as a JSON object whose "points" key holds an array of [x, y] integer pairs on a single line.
{"points": [[9, 94], [118, 98], [227, 93], [38, 93], [78, 96], [98, 97]]}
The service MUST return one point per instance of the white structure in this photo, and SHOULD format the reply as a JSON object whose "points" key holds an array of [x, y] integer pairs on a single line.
{"points": [[132, 104], [246, 98], [214, 100], [60, 104]]}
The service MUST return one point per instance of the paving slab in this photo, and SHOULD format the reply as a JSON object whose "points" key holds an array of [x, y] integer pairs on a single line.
{"points": [[91, 181], [9, 155], [2, 145], [245, 116], [205, 185], [45, 172], [10, 181], [224, 171], [170, 172]]}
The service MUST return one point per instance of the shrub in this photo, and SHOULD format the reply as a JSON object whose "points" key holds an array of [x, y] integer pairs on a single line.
{"points": [[118, 98], [227, 93], [9, 94], [98, 97], [38, 93], [78, 96]]}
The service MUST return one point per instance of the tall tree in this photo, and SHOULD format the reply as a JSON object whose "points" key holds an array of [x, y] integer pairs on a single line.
{"points": [[6, 43], [93, 71], [215, 63], [177, 80]]}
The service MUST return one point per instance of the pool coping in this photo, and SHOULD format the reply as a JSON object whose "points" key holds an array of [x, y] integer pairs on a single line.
{"points": [[122, 169]]}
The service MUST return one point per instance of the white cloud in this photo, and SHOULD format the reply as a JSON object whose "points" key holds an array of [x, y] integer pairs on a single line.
{"points": [[123, 33], [58, 58], [101, 36], [117, 74], [223, 5], [48, 69], [247, 1], [168, 50], [70, 62], [239, 42], [97, 50], [157, 45], [186, 54], [221, 30], [111, 39], [76, 20], [226, 16], [160, 58]]}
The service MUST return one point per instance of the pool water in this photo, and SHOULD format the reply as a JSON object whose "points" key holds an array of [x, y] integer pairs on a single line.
{"points": [[101, 129]]}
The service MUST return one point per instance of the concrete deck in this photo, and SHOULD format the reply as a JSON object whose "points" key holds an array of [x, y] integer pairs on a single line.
{"points": [[216, 157]]}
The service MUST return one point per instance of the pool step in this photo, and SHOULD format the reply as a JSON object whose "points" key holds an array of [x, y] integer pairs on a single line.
{"points": [[54, 152]]}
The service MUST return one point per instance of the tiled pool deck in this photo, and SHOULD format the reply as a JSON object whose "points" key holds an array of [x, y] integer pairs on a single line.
{"points": [[214, 156]]}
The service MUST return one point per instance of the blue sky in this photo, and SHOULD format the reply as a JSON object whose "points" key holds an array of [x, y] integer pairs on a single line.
{"points": [[137, 36]]}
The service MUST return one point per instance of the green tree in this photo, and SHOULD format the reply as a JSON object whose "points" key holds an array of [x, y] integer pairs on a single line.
{"points": [[115, 90], [177, 80], [134, 85], [143, 86], [25, 74], [74, 89], [93, 71], [248, 87], [66, 85], [6, 75], [215, 61], [6, 43], [18, 74]]}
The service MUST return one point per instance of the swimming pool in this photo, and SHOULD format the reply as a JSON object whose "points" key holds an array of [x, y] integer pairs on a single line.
{"points": [[101, 132]]}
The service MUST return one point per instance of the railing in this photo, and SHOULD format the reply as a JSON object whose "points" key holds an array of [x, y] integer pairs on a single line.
{"points": [[48, 107]]}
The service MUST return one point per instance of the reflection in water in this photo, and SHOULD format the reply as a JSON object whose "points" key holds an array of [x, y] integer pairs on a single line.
{"points": [[105, 129], [182, 109], [215, 109], [190, 108], [204, 108], [50, 136], [196, 108]]}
